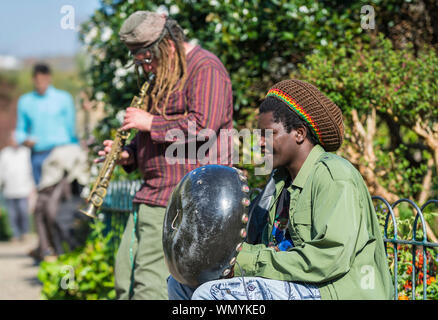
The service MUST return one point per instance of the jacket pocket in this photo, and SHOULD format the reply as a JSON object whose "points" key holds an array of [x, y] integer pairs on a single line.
{"points": [[302, 222]]}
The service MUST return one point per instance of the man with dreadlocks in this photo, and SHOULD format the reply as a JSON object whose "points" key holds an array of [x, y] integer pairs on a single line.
{"points": [[191, 86]]}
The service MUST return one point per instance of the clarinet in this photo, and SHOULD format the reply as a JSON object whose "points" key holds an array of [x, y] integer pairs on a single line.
{"points": [[100, 187]]}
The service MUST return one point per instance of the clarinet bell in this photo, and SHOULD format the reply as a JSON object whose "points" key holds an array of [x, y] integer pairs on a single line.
{"points": [[89, 210]]}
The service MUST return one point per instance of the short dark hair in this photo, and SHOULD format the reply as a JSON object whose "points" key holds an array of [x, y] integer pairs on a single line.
{"points": [[41, 68], [282, 113]]}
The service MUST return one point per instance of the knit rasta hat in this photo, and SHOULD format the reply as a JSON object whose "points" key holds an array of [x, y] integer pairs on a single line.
{"points": [[323, 116]]}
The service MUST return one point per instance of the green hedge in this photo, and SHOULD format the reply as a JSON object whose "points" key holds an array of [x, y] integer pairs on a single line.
{"points": [[5, 229], [86, 273]]}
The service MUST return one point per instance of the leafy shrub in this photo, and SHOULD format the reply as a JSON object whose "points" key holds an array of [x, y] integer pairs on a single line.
{"points": [[86, 273], [389, 101], [5, 229]]}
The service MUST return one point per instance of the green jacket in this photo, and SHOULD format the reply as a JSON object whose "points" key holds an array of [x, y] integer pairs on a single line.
{"points": [[337, 239]]}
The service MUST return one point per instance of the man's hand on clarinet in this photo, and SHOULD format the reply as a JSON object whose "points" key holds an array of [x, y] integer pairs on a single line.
{"points": [[137, 119], [124, 160]]}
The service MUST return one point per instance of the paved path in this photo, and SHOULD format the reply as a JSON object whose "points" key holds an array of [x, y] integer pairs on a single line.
{"points": [[18, 274]]}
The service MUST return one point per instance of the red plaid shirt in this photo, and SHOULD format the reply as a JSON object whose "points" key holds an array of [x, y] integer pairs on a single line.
{"points": [[207, 97]]}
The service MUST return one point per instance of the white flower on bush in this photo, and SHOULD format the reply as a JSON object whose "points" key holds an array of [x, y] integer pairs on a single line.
{"points": [[121, 72], [218, 28], [162, 9], [106, 34], [91, 35], [131, 69], [120, 116], [194, 41], [293, 14], [99, 96], [174, 9], [303, 9], [117, 82], [116, 64]]}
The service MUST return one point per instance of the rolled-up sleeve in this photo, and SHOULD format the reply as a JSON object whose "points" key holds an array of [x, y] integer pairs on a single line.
{"points": [[208, 97]]}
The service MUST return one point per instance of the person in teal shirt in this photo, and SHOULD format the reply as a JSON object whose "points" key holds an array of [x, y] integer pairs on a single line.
{"points": [[45, 119], [313, 232]]}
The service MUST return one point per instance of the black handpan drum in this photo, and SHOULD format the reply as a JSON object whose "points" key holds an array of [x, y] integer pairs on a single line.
{"points": [[205, 224]]}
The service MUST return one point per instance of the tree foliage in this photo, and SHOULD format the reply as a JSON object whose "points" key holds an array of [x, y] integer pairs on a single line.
{"points": [[390, 89], [259, 43], [387, 96]]}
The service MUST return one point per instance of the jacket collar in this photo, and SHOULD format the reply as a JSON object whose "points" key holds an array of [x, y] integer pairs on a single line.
{"points": [[281, 174], [307, 166]]}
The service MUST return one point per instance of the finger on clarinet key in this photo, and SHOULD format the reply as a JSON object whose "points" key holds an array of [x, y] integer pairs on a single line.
{"points": [[99, 160]]}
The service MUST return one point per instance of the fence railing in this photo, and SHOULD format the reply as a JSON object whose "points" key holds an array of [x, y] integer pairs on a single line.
{"points": [[116, 208], [118, 203], [417, 246]]}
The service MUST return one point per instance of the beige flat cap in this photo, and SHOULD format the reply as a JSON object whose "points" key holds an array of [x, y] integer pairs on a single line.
{"points": [[141, 29]]}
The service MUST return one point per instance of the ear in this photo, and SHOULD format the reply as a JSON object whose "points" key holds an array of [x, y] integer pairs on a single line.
{"points": [[300, 134]]}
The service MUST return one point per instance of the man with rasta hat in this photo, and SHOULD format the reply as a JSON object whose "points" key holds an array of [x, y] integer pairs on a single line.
{"points": [[190, 85], [313, 232]]}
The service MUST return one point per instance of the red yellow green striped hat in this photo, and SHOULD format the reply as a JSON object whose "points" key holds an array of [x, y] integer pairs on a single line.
{"points": [[323, 116]]}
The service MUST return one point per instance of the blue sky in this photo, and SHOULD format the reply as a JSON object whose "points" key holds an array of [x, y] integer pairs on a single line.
{"points": [[32, 28]]}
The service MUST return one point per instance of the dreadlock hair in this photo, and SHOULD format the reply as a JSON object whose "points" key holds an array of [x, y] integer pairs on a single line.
{"points": [[172, 68], [290, 120]]}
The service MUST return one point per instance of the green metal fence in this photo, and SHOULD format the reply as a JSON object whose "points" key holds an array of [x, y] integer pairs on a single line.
{"points": [[118, 205], [420, 271], [116, 208]]}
